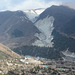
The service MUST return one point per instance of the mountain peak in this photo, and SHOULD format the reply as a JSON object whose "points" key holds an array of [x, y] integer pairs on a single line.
{"points": [[34, 13]]}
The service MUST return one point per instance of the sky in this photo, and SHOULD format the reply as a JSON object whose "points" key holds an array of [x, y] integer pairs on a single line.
{"points": [[30, 4]]}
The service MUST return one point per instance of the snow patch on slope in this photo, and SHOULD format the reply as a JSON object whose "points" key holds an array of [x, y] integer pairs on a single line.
{"points": [[68, 53], [33, 14], [69, 56], [45, 38]]}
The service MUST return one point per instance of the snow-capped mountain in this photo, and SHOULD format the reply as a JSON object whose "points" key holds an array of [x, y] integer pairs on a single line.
{"points": [[64, 25], [45, 28], [34, 13]]}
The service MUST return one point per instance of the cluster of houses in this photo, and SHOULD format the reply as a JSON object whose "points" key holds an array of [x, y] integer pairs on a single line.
{"points": [[29, 62]]}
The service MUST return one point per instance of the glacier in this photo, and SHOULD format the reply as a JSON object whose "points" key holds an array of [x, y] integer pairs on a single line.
{"points": [[45, 26], [33, 14]]}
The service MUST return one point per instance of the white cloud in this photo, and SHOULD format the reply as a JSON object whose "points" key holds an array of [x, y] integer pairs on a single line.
{"points": [[26, 4], [33, 4], [5, 4]]}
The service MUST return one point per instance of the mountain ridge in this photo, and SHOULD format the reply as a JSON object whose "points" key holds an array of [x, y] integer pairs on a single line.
{"points": [[33, 14], [15, 26], [49, 30]]}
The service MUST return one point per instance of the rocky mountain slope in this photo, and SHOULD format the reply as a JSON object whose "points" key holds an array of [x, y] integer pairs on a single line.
{"points": [[6, 53], [55, 28], [61, 14], [45, 26], [16, 29], [63, 22]]}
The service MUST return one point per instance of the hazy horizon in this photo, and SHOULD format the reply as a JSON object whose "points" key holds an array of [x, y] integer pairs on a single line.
{"points": [[29, 4]]}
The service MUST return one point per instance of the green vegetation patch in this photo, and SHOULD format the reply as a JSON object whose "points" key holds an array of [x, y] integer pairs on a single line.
{"points": [[17, 33], [45, 52]]}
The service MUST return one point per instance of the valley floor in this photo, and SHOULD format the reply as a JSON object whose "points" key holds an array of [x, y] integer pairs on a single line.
{"points": [[36, 66]]}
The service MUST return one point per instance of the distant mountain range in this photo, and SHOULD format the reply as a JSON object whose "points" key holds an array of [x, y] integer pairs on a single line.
{"points": [[70, 5], [52, 27]]}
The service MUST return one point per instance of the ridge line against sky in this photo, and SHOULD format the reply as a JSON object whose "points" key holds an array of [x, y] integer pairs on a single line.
{"points": [[30, 4]]}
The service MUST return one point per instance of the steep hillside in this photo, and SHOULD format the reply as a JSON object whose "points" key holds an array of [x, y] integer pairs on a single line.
{"points": [[6, 53], [62, 15], [70, 5], [16, 29], [64, 25], [56, 26], [69, 28], [62, 42]]}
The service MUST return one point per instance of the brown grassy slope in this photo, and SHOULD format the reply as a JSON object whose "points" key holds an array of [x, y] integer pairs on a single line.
{"points": [[5, 52]]}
